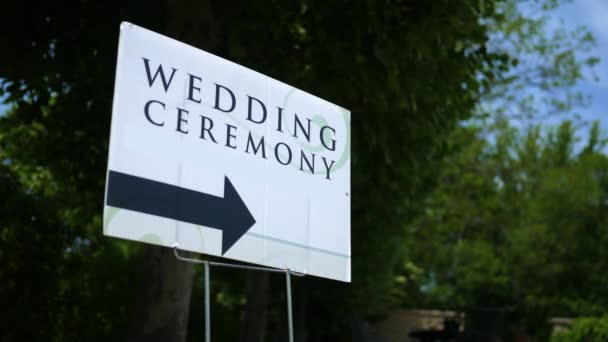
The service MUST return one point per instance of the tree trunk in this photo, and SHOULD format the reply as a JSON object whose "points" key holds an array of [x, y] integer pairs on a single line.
{"points": [[253, 327], [163, 300]]}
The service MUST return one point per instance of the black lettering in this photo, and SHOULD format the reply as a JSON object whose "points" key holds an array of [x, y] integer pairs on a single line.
{"points": [[276, 153], [280, 120], [333, 141], [204, 128], [311, 165], [160, 71], [328, 168], [181, 120], [297, 123], [192, 88], [254, 147], [249, 110], [217, 98], [230, 136], [147, 112]]}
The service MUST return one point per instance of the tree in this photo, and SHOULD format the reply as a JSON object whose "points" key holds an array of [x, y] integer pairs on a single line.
{"points": [[543, 61], [584, 329], [518, 223]]}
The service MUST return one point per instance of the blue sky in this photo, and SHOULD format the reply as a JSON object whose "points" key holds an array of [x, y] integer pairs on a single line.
{"points": [[3, 107], [592, 14]]}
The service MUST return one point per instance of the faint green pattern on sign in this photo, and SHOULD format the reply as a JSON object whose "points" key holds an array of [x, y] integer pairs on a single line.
{"points": [[109, 214], [152, 238]]}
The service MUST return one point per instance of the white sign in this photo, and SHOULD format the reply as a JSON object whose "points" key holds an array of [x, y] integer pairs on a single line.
{"points": [[223, 160]]}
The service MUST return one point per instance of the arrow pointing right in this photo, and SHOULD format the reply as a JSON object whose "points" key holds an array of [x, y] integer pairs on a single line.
{"points": [[228, 214]]}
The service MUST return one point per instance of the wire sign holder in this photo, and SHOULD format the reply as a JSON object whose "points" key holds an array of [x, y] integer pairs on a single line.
{"points": [[207, 266]]}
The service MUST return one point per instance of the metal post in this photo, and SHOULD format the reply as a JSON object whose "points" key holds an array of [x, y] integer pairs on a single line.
{"points": [[289, 310], [207, 264], [207, 305]]}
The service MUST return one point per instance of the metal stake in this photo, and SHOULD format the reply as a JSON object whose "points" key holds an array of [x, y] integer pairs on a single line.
{"points": [[207, 305], [207, 264], [289, 310]]}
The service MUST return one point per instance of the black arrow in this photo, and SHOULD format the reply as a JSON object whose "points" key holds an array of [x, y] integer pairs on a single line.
{"points": [[228, 214]]}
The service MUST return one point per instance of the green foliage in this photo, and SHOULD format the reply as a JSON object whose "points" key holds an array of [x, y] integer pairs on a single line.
{"points": [[583, 330], [518, 222]]}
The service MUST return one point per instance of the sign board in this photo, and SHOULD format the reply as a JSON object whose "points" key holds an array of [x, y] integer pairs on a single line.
{"points": [[225, 161]]}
